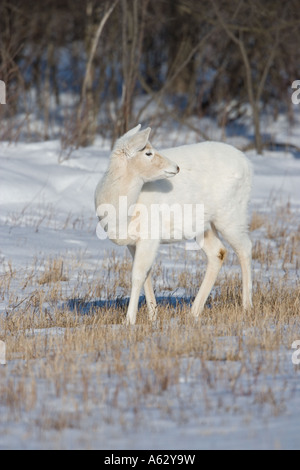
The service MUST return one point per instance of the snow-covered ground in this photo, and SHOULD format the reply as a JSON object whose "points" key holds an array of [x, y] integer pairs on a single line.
{"points": [[47, 210]]}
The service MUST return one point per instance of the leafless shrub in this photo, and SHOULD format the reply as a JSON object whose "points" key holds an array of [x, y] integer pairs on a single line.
{"points": [[69, 75]]}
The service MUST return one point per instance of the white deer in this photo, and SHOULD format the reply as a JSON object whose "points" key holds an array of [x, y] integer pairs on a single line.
{"points": [[214, 174]]}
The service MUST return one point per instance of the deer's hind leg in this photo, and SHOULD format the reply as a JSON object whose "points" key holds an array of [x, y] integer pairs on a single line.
{"points": [[215, 252], [242, 245]]}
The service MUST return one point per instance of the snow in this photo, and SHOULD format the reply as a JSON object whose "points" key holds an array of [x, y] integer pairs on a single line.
{"points": [[47, 210]]}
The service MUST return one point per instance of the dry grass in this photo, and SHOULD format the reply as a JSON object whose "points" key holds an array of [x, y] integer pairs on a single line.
{"points": [[93, 365], [53, 273]]}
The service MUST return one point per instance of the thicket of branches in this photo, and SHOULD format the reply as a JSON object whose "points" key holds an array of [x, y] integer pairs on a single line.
{"points": [[85, 62]]}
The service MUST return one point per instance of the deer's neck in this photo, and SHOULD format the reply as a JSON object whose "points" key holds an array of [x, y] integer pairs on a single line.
{"points": [[116, 194], [118, 185]]}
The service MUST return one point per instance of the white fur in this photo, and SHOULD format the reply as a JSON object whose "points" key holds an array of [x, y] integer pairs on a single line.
{"points": [[211, 173]]}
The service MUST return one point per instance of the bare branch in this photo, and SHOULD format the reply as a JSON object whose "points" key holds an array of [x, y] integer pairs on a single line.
{"points": [[94, 45]]}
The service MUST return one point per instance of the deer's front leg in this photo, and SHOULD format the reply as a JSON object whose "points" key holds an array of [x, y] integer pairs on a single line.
{"points": [[150, 298], [144, 256]]}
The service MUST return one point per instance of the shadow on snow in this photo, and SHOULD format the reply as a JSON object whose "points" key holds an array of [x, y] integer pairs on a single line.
{"points": [[89, 307]]}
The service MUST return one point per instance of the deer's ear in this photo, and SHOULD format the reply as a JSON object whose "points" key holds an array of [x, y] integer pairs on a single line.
{"points": [[132, 132], [139, 141], [122, 142]]}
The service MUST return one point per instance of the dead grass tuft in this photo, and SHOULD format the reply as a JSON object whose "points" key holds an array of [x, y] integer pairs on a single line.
{"points": [[53, 272]]}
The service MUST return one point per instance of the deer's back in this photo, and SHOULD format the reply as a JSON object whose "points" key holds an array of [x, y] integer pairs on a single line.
{"points": [[211, 173]]}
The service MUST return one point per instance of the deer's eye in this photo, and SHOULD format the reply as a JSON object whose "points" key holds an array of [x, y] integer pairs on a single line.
{"points": [[149, 154]]}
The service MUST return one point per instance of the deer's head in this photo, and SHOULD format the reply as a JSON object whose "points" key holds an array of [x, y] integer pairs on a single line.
{"points": [[141, 159]]}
